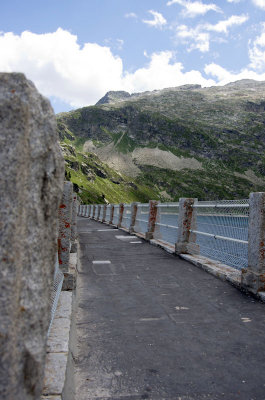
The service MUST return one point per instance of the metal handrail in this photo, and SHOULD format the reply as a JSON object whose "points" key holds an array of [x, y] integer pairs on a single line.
{"points": [[220, 237]]}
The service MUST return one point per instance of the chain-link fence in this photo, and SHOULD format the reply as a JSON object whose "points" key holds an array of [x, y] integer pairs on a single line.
{"points": [[166, 226], [142, 216], [126, 218], [116, 214], [57, 287], [222, 231]]}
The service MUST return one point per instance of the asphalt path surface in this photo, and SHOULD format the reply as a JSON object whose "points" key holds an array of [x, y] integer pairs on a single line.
{"points": [[150, 325]]}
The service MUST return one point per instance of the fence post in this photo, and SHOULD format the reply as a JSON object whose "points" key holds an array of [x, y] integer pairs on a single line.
{"points": [[253, 277], [121, 211], [151, 219], [73, 225], [133, 216], [93, 211], [65, 219], [104, 213], [187, 221]]}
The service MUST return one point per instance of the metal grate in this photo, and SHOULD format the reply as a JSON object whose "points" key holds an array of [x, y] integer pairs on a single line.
{"points": [[57, 287], [222, 231], [142, 216], [166, 227]]}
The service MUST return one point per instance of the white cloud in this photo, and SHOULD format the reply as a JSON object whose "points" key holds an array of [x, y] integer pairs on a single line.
{"points": [[223, 26], [130, 15], [259, 3], [161, 73], [199, 40], [233, 1], [257, 51], [158, 20], [60, 67], [194, 8], [79, 76], [223, 76]]}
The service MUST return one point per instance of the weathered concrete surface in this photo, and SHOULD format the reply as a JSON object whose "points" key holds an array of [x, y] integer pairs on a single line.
{"points": [[152, 326], [186, 240], [32, 171], [57, 348], [253, 277], [152, 219], [65, 220], [73, 224]]}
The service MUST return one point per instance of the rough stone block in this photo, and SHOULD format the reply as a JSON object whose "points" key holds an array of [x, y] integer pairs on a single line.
{"points": [[53, 383], [74, 216], [32, 171], [65, 220]]}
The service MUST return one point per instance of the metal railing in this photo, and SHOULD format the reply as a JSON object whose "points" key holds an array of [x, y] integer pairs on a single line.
{"points": [[126, 218], [220, 227], [116, 214], [166, 225], [142, 217], [222, 231]]}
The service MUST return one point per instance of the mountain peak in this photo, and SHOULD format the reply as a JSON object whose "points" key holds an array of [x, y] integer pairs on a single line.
{"points": [[114, 97]]}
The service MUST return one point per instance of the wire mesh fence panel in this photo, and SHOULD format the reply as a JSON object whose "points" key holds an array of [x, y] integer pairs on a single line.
{"points": [[222, 231], [142, 217], [101, 212], [126, 218], [57, 287], [166, 227], [116, 214], [107, 218]]}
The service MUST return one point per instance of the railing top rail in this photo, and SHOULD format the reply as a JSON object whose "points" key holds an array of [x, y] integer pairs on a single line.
{"points": [[168, 205], [198, 205]]}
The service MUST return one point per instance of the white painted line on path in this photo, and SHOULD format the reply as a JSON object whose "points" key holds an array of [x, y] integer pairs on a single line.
{"points": [[121, 237], [107, 230], [136, 242], [101, 262]]}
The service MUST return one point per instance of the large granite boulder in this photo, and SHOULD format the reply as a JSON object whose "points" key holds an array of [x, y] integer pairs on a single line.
{"points": [[32, 171]]}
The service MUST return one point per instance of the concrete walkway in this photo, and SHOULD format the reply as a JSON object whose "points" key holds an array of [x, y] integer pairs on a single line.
{"points": [[152, 326]]}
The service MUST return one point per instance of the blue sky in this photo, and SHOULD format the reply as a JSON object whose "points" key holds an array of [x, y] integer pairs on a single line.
{"points": [[75, 51]]}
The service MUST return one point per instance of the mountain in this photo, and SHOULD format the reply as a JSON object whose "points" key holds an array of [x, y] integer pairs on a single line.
{"points": [[185, 141]]}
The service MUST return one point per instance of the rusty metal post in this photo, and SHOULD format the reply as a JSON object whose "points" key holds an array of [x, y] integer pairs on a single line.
{"points": [[104, 213], [151, 219], [133, 216], [187, 221], [121, 211], [253, 277]]}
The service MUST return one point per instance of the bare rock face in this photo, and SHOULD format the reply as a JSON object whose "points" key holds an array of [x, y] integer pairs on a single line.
{"points": [[31, 183]]}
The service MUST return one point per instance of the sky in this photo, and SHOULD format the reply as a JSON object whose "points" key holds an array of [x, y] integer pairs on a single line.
{"points": [[77, 50]]}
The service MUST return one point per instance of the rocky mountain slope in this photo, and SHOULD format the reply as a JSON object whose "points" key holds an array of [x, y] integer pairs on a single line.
{"points": [[186, 141]]}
